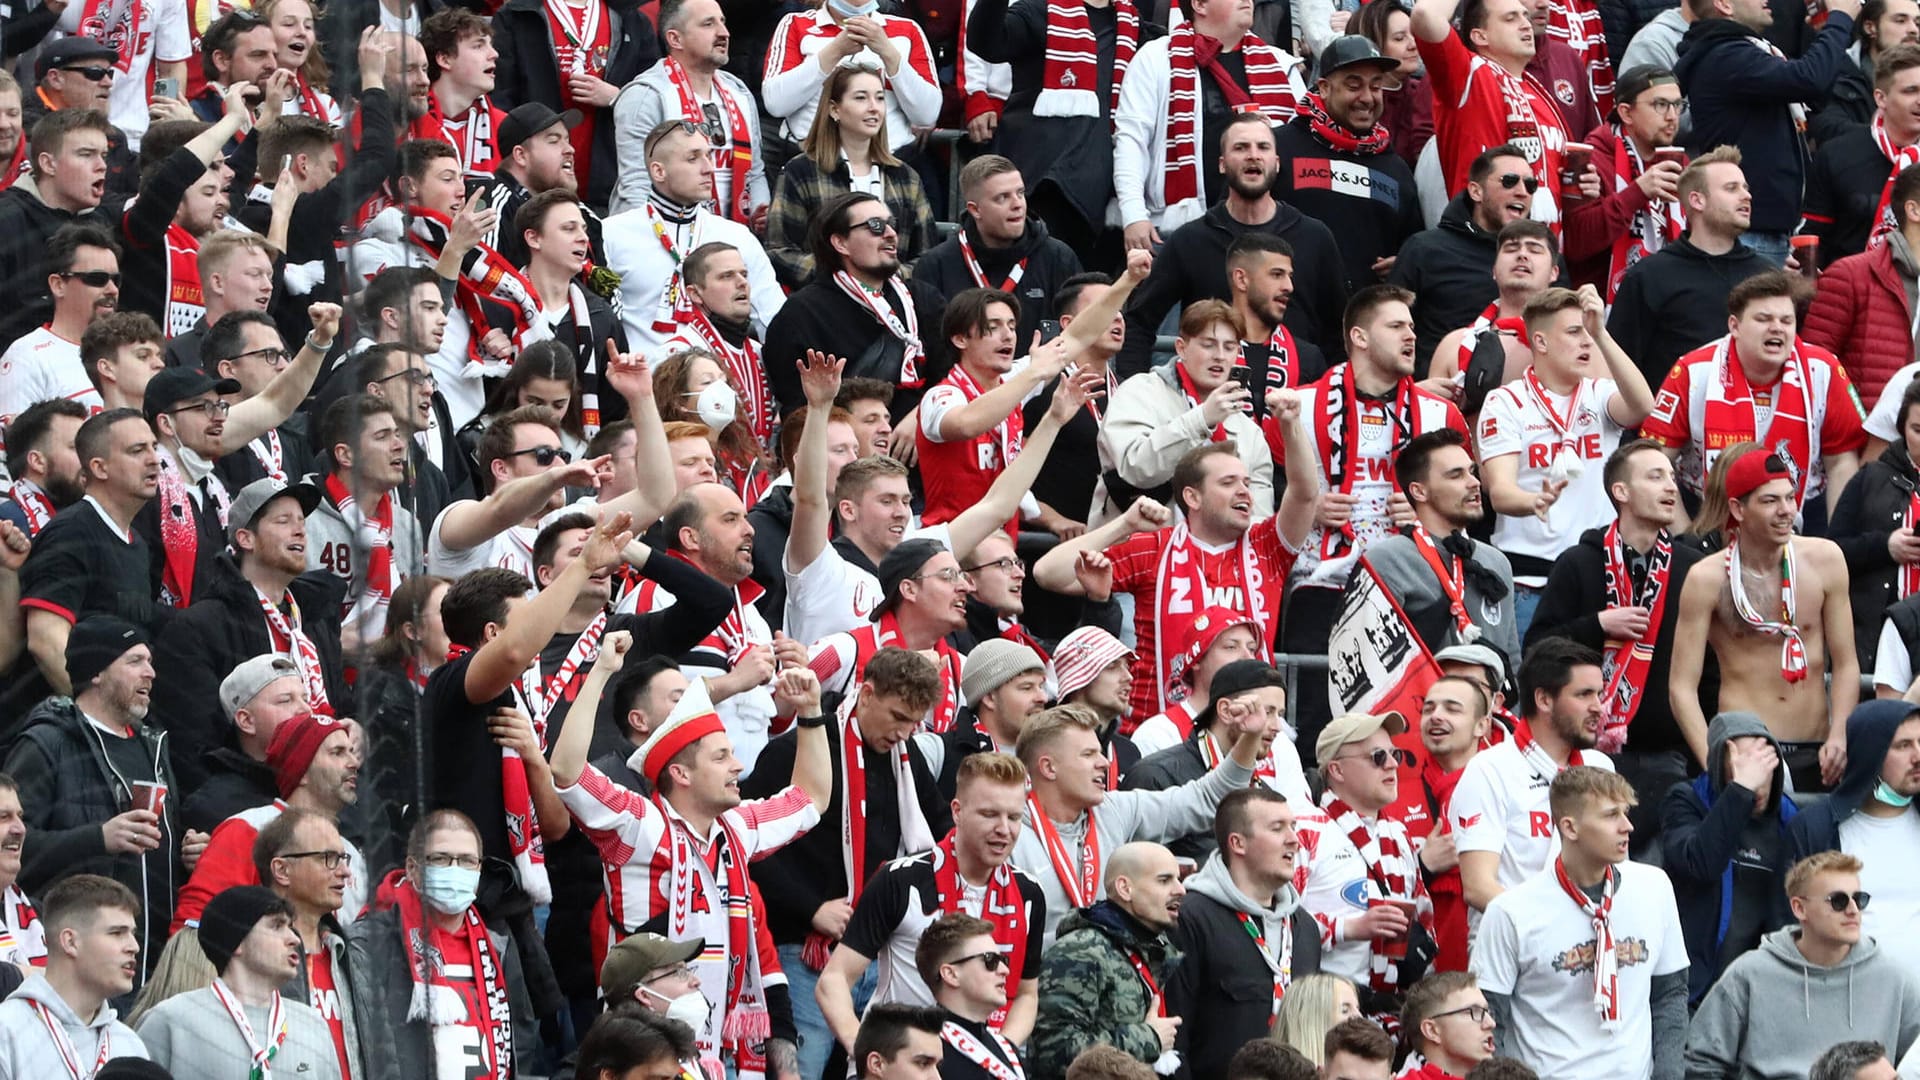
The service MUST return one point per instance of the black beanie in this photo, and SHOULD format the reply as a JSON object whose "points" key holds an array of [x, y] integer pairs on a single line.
{"points": [[132, 1068], [95, 643], [229, 917]]}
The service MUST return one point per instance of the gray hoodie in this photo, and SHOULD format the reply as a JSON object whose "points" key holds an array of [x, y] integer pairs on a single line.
{"points": [[27, 1051], [1213, 882], [1773, 1012]]}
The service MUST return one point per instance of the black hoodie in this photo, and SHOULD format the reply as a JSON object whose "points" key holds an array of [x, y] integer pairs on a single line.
{"points": [[1870, 731], [1675, 301], [1048, 264], [1450, 270]]}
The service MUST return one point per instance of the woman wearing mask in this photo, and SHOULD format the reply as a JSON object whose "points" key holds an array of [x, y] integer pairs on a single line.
{"points": [[845, 150], [691, 386]]}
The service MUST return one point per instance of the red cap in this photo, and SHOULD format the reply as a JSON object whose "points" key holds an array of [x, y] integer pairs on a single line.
{"points": [[1206, 629], [693, 718], [295, 742], [1751, 470]]}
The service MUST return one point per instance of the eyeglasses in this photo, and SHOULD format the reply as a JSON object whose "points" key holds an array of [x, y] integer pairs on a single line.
{"points": [[1006, 565], [1838, 901], [1513, 180], [275, 356], [878, 226], [1381, 758], [329, 859], [210, 408], [678, 971], [1667, 106], [91, 74], [1475, 1013], [992, 961], [544, 455], [98, 279], [442, 861], [952, 575], [412, 375]]}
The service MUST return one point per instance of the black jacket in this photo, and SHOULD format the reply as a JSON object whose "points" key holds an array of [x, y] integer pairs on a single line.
{"points": [[528, 70], [1871, 509], [772, 521], [1374, 208], [1192, 265], [1843, 191], [142, 231], [1450, 270], [1625, 18], [1223, 990], [388, 706], [234, 782], [1848, 106], [1570, 607], [222, 629], [820, 316], [1049, 263], [1739, 95], [1870, 729], [26, 224], [1674, 301]]}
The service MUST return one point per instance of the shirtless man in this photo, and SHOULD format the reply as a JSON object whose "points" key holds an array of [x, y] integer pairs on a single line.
{"points": [[1776, 669], [1523, 268]]}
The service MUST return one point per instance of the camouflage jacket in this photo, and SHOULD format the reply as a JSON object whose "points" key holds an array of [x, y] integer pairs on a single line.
{"points": [[1090, 992]]}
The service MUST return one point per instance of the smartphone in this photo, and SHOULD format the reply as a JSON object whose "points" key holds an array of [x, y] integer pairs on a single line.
{"points": [[480, 201], [166, 87], [286, 163], [1242, 375], [1049, 329]]}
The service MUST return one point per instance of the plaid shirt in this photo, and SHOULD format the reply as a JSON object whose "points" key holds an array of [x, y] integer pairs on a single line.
{"points": [[803, 188]]}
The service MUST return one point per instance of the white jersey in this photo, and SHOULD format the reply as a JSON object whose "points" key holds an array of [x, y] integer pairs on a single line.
{"points": [[41, 365], [832, 596], [143, 31], [22, 938], [509, 550], [1536, 947], [1885, 847], [1500, 805], [1513, 421], [649, 274], [747, 715], [1335, 886]]}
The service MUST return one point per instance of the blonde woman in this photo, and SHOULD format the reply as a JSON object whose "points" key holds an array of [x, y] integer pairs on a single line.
{"points": [[845, 150], [1313, 1005], [296, 49]]}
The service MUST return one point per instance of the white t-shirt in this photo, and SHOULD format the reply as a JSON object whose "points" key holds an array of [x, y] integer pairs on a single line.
{"points": [[510, 550], [1886, 847], [1337, 887], [1891, 665], [833, 596], [38, 366], [1883, 422], [1536, 947], [159, 29], [1500, 805], [1512, 422]]}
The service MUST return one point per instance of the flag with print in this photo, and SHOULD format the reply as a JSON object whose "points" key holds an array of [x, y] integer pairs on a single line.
{"points": [[1376, 663]]}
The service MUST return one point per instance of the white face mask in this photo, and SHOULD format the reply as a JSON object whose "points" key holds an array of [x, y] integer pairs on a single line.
{"points": [[690, 1008], [717, 405]]}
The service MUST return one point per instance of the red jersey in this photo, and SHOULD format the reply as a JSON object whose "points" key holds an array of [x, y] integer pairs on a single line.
{"points": [[324, 995], [958, 472], [1477, 104], [1136, 570]]}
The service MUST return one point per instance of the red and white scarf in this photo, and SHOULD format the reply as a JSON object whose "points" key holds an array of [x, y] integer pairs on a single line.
{"points": [[1338, 435], [1003, 906], [1179, 598], [33, 503], [1268, 91], [1536, 756], [1729, 415], [313, 103], [537, 695], [1008, 433], [738, 157], [63, 1046], [472, 135], [1564, 462], [1489, 320], [117, 25], [290, 639], [1626, 662], [748, 374], [1010, 285], [1079, 878], [1793, 650], [485, 276], [1887, 218], [1579, 24], [1070, 82], [1212, 754], [180, 529], [1283, 359], [906, 328], [436, 1002], [1003, 1066], [374, 533], [276, 1029], [1452, 583], [1652, 228], [722, 869], [1606, 963], [1386, 866], [266, 450], [10, 171]]}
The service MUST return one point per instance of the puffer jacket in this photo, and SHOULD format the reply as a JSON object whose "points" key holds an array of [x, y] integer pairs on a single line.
{"points": [[1090, 992], [1863, 313], [1870, 510]]}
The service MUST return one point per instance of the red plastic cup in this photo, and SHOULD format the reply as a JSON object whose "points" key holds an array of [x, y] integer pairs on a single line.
{"points": [[1675, 154], [149, 796], [1396, 948], [1806, 249]]}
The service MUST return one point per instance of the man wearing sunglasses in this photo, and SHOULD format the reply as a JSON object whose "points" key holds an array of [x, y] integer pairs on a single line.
{"points": [[1752, 1025], [959, 958], [82, 264], [1871, 816]]}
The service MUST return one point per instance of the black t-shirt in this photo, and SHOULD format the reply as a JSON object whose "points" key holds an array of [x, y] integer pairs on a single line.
{"points": [[1066, 481], [463, 762], [79, 567], [902, 900]]}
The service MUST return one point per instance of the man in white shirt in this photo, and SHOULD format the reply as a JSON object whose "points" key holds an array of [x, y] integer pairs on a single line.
{"points": [[83, 273], [1584, 964], [1544, 437], [1503, 827]]}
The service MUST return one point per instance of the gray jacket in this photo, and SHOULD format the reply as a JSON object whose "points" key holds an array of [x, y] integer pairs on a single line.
{"points": [[1772, 1012], [349, 985], [1125, 816], [28, 1053], [1416, 588], [192, 1035], [1150, 426], [650, 99]]}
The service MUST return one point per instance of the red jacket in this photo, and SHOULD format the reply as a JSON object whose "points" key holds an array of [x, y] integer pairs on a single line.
{"points": [[1862, 316], [1593, 225]]}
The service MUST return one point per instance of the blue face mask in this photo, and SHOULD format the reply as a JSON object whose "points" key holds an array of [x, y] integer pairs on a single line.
{"points": [[854, 11], [450, 889], [1891, 797]]}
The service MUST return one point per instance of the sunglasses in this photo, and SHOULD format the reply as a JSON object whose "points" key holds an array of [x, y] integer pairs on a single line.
{"points": [[878, 226], [91, 74], [1838, 901], [544, 455], [1514, 180], [1381, 758], [992, 961], [99, 279], [666, 128]]}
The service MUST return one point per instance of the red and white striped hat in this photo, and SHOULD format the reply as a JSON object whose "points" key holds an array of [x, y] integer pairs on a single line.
{"points": [[693, 718], [1082, 656]]}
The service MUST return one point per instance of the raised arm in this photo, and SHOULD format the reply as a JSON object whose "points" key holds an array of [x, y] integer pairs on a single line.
{"points": [[628, 374], [812, 503], [1433, 19], [471, 522], [14, 547], [796, 691], [1301, 501], [272, 406], [1054, 572], [1634, 403], [1002, 500], [570, 749], [498, 662]]}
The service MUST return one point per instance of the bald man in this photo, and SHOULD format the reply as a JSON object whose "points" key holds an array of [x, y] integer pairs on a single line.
{"points": [[1101, 981]]}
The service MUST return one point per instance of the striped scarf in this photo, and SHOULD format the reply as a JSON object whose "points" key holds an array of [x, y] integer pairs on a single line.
{"points": [[1070, 85], [1268, 90], [1387, 867]]}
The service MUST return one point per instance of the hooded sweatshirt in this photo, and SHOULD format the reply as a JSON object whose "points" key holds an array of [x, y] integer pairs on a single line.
{"points": [[1774, 1011], [1675, 300], [1728, 866], [1870, 731], [1450, 270], [27, 1051], [1223, 988]]}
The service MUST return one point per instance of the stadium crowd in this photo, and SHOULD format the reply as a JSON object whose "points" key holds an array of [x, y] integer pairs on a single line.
{"points": [[1072, 539]]}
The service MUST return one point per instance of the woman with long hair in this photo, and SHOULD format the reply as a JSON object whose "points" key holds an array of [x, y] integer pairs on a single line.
{"points": [[1707, 530], [692, 386], [544, 374], [1407, 112], [845, 150], [1312, 1006], [296, 48]]}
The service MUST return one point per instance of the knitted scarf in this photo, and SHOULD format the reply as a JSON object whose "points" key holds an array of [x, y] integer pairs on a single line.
{"points": [[738, 157], [485, 276], [1070, 83], [1179, 590], [1729, 415], [1653, 227], [1339, 136], [33, 503], [690, 879], [1388, 869], [1606, 964], [1793, 650], [433, 999], [1626, 662], [1338, 432], [372, 532], [1886, 218], [1268, 91]]}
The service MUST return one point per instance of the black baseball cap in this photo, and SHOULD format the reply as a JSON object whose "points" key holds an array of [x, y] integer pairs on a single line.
{"points": [[176, 384], [528, 120], [71, 50], [1239, 677], [896, 566], [1351, 50]]}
